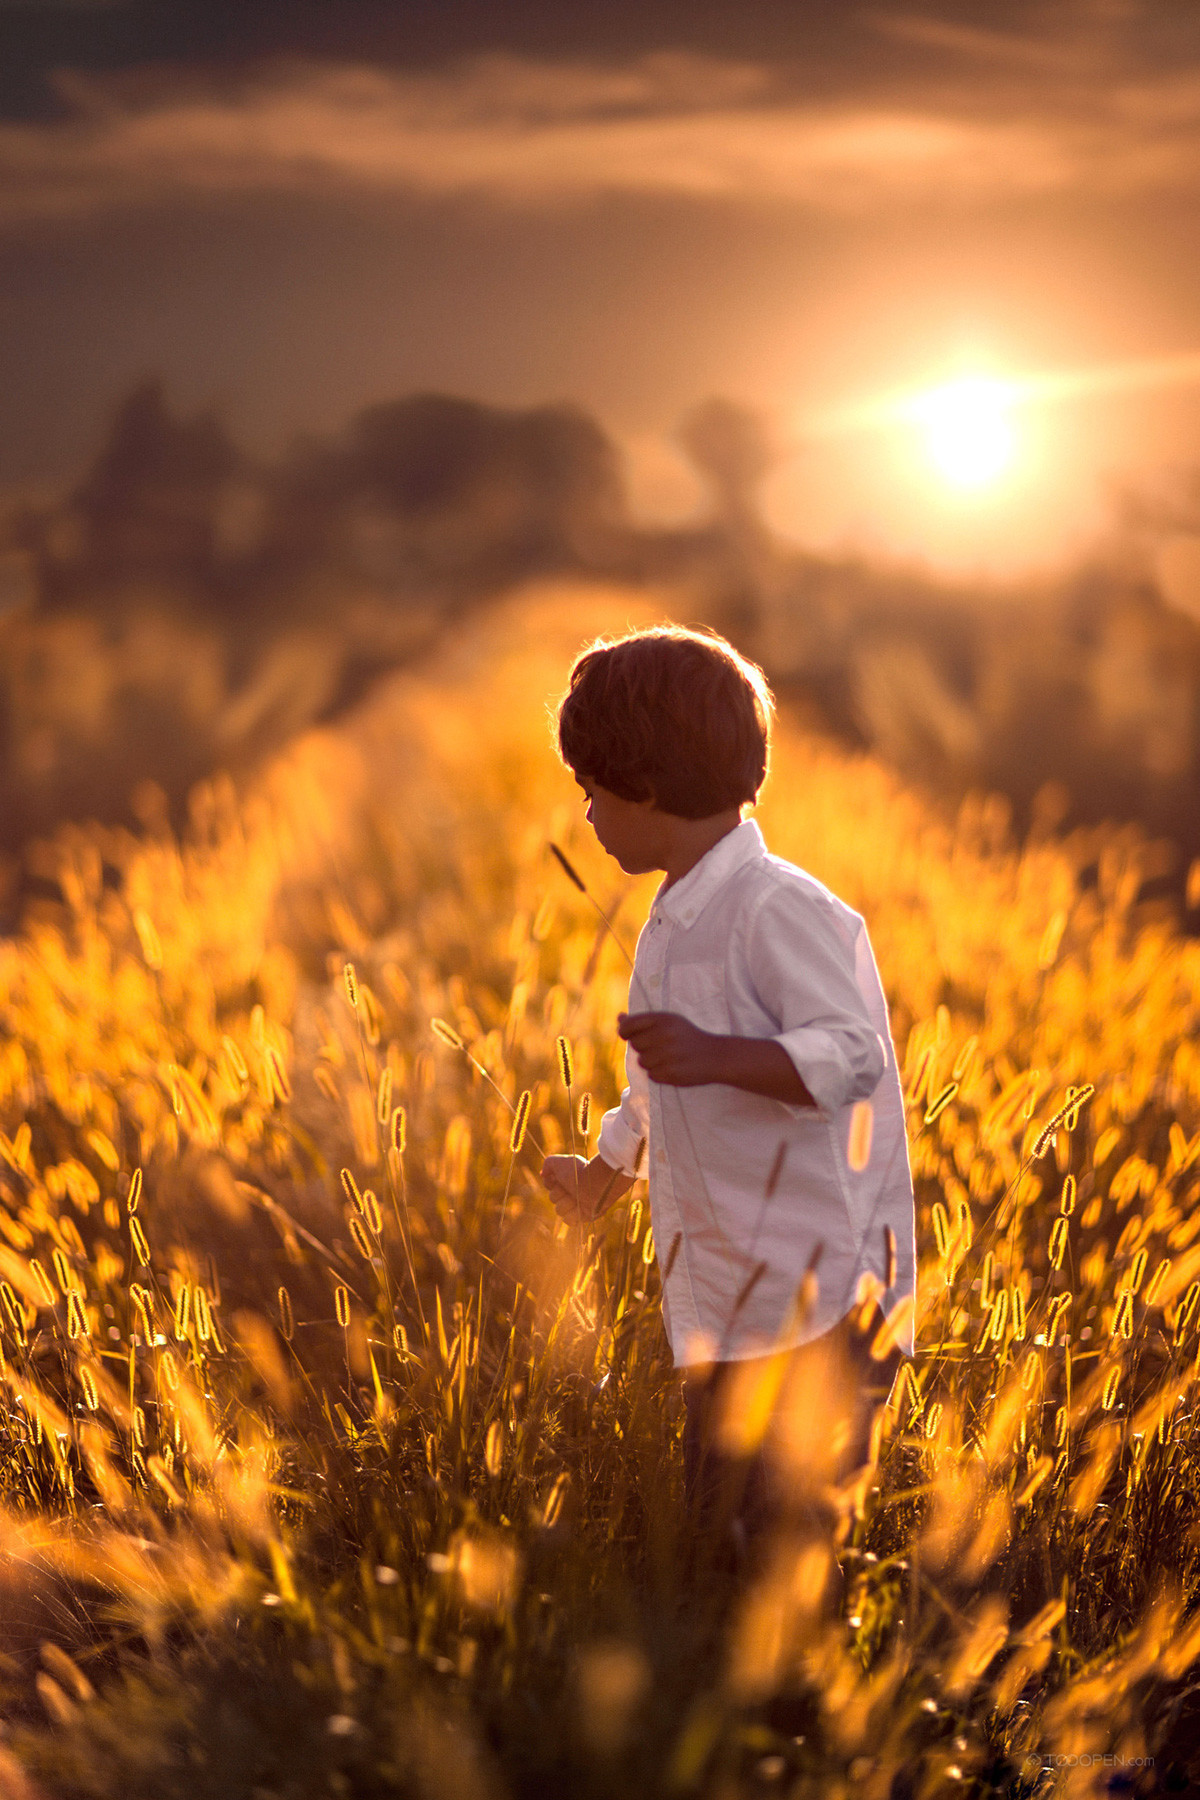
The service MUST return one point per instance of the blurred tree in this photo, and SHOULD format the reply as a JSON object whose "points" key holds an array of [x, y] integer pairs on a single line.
{"points": [[543, 484], [731, 448], [148, 504]]}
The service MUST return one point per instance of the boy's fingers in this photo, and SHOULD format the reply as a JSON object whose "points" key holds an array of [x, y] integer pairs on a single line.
{"points": [[635, 1025]]}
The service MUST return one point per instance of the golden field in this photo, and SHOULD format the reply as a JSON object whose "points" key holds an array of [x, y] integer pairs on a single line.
{"points": [[331, 1465]]}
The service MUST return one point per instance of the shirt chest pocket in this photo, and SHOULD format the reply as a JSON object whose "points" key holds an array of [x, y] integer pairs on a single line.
{"points": [[697, 991]]}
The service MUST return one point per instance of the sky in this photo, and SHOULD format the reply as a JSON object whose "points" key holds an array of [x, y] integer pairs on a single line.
{"points": [[291, 210]]}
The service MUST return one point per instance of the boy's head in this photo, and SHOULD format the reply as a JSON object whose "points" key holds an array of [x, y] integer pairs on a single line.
{"points": [[670, 716]]}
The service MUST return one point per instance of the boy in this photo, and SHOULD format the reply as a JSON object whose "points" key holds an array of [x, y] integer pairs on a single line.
{"points": [[757, 1025]]}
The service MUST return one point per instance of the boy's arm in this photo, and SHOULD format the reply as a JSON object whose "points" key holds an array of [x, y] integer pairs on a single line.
{"points": [[583, 1190], [827, 1051], [676, 1052], [801, 956]]}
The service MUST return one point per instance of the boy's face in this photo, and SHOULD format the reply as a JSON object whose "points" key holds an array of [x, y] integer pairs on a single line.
{"points": [[630, 830]]}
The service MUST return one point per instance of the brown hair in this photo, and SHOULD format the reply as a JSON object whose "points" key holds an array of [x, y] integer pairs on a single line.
{"points": [[669, 715]]}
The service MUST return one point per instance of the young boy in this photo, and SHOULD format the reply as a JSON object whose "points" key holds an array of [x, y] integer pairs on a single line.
{"points": [[757, 1026]]}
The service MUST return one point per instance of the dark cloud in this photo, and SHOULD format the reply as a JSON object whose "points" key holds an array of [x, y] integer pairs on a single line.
{"points": [[999, 117]]}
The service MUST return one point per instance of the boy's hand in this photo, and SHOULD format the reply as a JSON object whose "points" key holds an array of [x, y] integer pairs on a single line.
{"points": [[581, 1189], [671, 1049], [674, 1051]]}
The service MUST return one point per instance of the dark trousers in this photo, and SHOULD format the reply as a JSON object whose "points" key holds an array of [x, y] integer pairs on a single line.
{"points": [[767, 1438]]}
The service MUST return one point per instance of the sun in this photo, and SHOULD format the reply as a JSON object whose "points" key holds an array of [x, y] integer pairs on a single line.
{"points": [[968, 429]]}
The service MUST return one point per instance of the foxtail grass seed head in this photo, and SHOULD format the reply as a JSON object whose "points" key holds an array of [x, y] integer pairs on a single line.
{"points": [[999, 1316], [383, 1096], [933, 1419], [287, 1318], [372, 1021], [137, 1237], [1058, 1241], [672, 1253], [63, 1271], [399, 1130], [1058, 1312], [447, 1034], [235, 1059], [87, 1382], [985, 1282], [1110, 1389], [42, 1282], [1017, 1305], [144, 1302], [552, 1511], [351, 1190], [648, 1246], [12, 1310], [135, 1191], [351, 983], [516, 1136], [1187, 1311], [567, 868], [183, 1311], [964, 1225], [1066, 1205], [1067, 1116], [493, 1449], [585, 1114], [565, 1066], [148, 939], [77, 1319], [862, 1127], [203, 1314], [634, 1223], [1122, 1325], [941, 1230], [1155, 1286], [341, 1305], [400, 1339], [938, 1105], [1137, 1270], [923, 1069], [371, 1212], [279, 1075], [362, 1242]]}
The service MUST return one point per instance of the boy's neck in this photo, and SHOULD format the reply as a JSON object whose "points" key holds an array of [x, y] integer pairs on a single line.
{"points": [[687, 840]]}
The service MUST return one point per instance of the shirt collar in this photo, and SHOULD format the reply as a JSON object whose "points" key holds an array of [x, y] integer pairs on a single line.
{"points": [[684, 902]]}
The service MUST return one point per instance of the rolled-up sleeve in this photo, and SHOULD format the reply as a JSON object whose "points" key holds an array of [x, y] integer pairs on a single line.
{"points": [[624, 1130], [802, 961]]}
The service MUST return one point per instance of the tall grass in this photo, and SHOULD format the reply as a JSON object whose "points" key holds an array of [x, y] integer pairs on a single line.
{"points": [[333, 1464]]}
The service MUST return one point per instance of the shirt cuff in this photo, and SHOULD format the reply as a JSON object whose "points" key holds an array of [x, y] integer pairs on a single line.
{"points": [[822, 1065], [618, 1142]]}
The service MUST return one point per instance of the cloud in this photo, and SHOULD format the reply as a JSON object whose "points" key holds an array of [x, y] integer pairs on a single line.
{"points": [[1013, 123]]}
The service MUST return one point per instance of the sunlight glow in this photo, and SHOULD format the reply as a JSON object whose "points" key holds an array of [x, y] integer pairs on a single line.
{"points": [[968, 430]]}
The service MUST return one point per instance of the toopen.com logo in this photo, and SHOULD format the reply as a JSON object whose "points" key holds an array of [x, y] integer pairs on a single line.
{"points": [[1100, 1761]]}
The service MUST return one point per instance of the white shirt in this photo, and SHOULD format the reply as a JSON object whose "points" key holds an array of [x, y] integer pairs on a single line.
{"points": [[747, 945]]}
